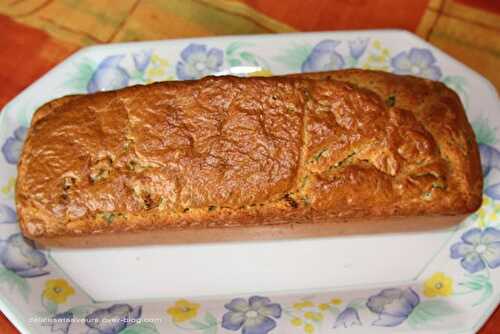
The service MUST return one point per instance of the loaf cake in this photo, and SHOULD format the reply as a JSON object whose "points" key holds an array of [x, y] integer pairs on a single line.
{"points": [[228, 158]]}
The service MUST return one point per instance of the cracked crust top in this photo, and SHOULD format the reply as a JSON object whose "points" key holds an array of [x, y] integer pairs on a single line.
{"points": [[227, 151]]}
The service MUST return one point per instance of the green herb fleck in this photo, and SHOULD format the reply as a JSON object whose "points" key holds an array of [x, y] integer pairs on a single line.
{"points": [[108, 216], [99, 175], [391, 101], [321, 152]]}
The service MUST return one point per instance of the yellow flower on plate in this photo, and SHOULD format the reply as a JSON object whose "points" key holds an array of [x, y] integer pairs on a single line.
{"points": [[323, 307], [261, 73], [57, 290], [9, 186], [296, 321], [336, 301], [316, 316], [303, 304], [183, 310], [157, 60], [309, 328], [438, 285]]}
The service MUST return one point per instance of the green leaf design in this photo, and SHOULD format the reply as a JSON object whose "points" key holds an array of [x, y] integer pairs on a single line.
{"points": [[485, 134], [50, 306], [148, 325], [232, 47], [23, 287], [477, 283], [198, 325], [210, 319], [210, 330], [137, 76], [351, 62], [141, 328], [248, 57], [294, 56], [357, 304], [429, 311], [85, 69], [457, 83], [487, 291], [234, 62], [334, 310], [208, 327], [82, 311], [472, 285], [43, 314], [15, 281]]}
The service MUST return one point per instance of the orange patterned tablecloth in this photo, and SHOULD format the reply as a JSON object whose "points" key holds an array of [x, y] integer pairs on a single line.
{"points": [[38, 34]]}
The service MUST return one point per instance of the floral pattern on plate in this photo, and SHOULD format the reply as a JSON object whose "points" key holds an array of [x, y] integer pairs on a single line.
{"points": [[11, 148], [198, 61], [465, 282], [419, 62], [255, 316]]}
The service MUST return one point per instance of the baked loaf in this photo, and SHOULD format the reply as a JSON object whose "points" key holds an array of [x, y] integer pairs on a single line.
{"points": [[248, 158]]}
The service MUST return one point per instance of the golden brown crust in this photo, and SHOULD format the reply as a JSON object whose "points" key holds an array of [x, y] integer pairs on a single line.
{"points": [[284, 230], [228, 152]]}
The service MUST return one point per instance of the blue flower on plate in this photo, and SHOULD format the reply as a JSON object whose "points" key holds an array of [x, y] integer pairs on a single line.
{"points": [[21, 257], [11, 149], [347, 318], [254, 316], [61, 322], [478, 249], [323, 57], [109, 75], [357, 47], [7, 215], [142, 59], [393, 306], [490, 159], [197, 61], [419, 62], [113, 319]]}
